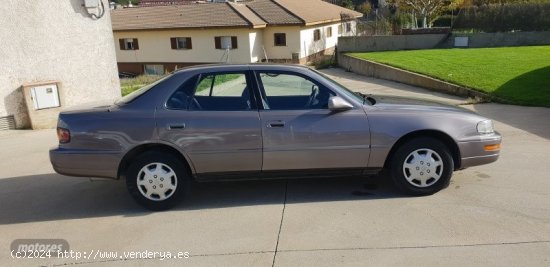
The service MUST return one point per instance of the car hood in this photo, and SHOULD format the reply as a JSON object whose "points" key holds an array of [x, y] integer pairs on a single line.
{"points": [[414, 104]]}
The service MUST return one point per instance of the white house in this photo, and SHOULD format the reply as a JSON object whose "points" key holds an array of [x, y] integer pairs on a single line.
{"points": [[161, 38]]}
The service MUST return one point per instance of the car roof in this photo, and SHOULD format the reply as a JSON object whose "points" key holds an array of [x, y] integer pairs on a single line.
{"points": [[222, 67]]}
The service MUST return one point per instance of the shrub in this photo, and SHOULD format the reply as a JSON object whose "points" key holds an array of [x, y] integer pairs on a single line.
{"points": [[532, 16]]}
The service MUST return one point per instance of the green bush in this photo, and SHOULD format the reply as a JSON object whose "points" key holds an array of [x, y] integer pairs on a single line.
{"points": [[532, 16]]}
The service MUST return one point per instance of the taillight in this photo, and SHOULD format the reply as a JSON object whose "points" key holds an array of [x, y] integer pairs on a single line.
{"points": [[63, 135]]}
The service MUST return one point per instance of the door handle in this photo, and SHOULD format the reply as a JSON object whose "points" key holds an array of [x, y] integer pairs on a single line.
{"points": [[276, 124], [179, 126]]}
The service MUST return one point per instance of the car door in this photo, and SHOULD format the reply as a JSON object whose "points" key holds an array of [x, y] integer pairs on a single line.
{"points": [[301, 133], [214, 119]]}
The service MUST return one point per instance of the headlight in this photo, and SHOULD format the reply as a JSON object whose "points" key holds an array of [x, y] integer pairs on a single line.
{"points": [[485, 127]]}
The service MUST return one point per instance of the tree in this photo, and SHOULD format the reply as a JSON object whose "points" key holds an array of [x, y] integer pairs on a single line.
{"points": [[348, 4], [427, 10], [365, 8]]}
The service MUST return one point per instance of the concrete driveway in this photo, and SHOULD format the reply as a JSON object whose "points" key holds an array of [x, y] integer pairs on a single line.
{"points": [[494, 215]]}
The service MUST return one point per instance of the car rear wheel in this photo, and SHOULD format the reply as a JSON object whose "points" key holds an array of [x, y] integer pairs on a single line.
{"points": [[156, 180], [422, 166]]}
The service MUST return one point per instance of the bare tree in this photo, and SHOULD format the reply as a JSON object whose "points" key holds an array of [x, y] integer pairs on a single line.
{"points": [[427, 10]]}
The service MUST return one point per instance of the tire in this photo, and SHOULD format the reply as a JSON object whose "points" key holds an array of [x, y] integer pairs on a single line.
{"points": [[157, 180], [422, 166]]}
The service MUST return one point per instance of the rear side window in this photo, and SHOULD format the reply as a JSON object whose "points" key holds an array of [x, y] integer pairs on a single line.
{"points": [[222, 92], [180, 98]]}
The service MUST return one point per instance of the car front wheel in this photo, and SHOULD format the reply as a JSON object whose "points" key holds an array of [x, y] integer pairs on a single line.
{"points": [[422, 166], [157, 180]]}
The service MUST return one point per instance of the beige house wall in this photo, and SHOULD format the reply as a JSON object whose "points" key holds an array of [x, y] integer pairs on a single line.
{"points": [[155, 46], [282, 52], [55, 40], [253, 45]]}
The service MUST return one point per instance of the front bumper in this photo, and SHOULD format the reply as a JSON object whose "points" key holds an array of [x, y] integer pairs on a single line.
{"points": [[473, 152], [84, 163]]}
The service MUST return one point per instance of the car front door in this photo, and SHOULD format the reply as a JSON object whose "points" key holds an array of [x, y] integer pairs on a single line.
{"points": [[213, 118], [300, 132]]}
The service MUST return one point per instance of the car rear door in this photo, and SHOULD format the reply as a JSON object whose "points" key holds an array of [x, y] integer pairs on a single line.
{"points": [[299, 131], [214, 119]]}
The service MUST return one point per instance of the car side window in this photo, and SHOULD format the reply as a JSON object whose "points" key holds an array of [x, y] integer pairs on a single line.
{"points": [[222, 92], [288, 91], [180, 98]]}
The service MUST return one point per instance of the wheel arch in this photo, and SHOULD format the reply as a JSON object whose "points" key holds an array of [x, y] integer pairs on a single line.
{"points": [[438, 135], [136, 151]]}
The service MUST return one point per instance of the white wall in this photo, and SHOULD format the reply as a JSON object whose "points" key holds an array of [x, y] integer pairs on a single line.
{"points": [[155, 47], [55, 40], [256, 46], [309, 47]]}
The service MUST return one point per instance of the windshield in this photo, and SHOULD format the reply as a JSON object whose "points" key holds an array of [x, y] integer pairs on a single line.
{"points": [[342, 88], [139, 92]]}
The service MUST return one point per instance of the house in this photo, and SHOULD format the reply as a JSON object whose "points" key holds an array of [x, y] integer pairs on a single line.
{"points": [[158, 39], [55, 54]]}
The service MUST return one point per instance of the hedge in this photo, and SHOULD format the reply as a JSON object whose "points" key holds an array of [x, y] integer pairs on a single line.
{"points": [[505, 17]]}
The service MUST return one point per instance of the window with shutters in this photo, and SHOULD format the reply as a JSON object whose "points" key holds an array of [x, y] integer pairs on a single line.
{"points": [[329, 31], [225, 42], [316, 35], [129, 44], [181, 43]]}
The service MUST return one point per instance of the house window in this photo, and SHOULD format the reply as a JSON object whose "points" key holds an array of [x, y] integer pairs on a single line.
{"points": [[340, 29], [280, 39], [225, 42], [316, 35], [329, 32], [154, 69], [128, 44], [348, 27], [181, 43]]}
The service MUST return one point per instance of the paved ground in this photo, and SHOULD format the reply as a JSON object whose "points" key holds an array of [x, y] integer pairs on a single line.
{"points": [[494, 215]]}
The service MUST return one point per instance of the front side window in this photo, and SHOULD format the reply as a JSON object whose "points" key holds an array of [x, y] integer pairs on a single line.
{"points": [[289, 91], [223, 92]]}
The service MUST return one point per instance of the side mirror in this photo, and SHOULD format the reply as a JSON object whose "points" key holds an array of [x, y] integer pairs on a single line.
{"points": [[336, 103]]}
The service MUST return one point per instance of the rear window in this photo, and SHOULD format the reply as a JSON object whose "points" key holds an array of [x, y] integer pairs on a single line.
{"points": [[139, 92]]}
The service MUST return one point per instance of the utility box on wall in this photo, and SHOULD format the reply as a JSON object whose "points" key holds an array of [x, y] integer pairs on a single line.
{"points": [[44, 101]]}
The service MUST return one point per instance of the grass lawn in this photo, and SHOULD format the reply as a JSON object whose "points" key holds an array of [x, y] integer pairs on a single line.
{"points": [[518, 74]]}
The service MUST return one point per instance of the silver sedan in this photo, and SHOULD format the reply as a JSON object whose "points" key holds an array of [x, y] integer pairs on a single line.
{"points": [[263, 121]]}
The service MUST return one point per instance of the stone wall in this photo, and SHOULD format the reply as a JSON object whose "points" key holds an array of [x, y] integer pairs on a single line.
{"points": [[430, 41]]}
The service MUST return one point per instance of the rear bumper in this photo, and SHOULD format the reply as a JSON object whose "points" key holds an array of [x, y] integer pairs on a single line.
{"points": [[473, 153], [85, 163]]}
